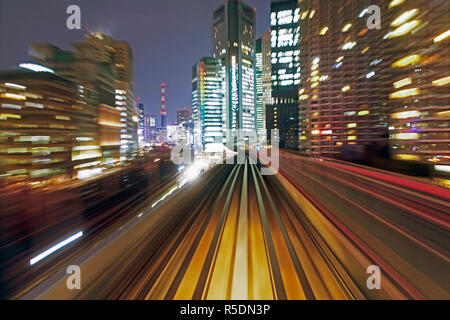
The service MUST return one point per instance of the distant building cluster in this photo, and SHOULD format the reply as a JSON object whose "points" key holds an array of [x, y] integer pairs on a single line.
{"points": [[150, 132]]}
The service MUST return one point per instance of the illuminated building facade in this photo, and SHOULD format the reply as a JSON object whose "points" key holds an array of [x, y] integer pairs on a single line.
{"points": [[234, 44], [150, 128], [208, 103], [417, 44], [184, 125], [39, 121], [266, 73], [95, 64], [146, 133], [259, 89], [282, 114], [95, 86], [342, 93], [110, 126], [118, 56]]}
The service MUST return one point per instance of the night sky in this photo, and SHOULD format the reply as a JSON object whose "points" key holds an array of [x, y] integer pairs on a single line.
{"points": [[167, 37]]}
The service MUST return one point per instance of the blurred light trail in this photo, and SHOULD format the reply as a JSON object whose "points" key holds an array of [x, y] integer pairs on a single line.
{"points": [[56, 247], [420, 186], [309, 232], [164, 196]]}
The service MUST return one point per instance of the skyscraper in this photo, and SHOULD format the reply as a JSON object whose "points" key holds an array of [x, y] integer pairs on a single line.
{"points": [[234, 44], [266, 72], [119, 57], [95, 93], [47, 127], [102, 68], [259, 88], [282, 114], [342, 94], [263, 82], [208, 103], [417, 58], [36, 129]]}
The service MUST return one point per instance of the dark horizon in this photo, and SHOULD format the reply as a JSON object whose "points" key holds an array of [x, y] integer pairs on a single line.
{"points": [[166, 55]]}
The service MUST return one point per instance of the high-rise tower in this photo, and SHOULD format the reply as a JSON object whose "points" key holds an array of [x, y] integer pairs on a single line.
{"points": [[282, 114], [234, 44], [342, 95], [207, 103], [263, 81], [163, 107]]}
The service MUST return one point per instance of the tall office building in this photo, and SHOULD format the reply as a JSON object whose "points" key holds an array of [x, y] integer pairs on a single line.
{"points": [[417, 58], [208, 103], [266, 72], [234, 44], [259, 89], [102, 69], [36, 126], [119, 57], [95, 92], [282, 114], [342, 94], [263, 82], [46, 132]]}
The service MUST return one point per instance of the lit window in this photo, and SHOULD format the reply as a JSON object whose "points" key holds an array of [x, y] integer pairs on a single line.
{"points": [[404, 17], [404, 93], [406, 61], [347, 27], [442, 36], [323, 31]]}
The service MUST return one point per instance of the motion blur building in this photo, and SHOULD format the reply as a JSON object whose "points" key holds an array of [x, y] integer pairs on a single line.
{"points": [[41, 122], [109, 122], [102, 69], [282, 114], [208, 103], [119, 57], [417, 48], [342, 93], [234, 44]]}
